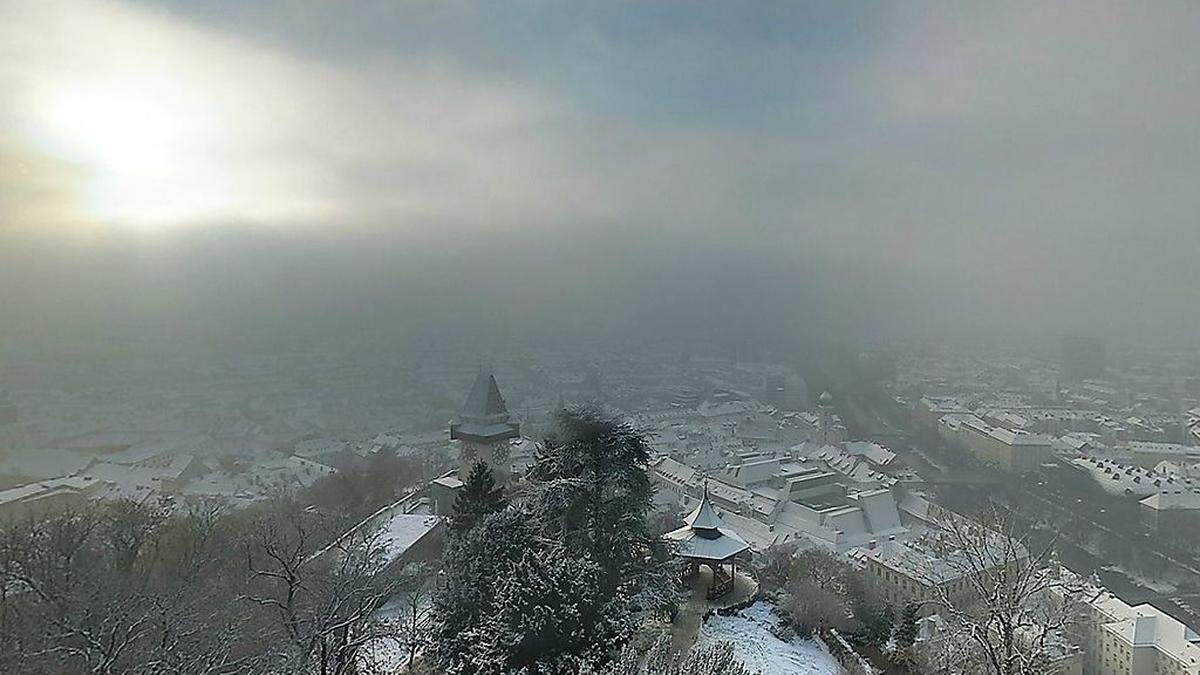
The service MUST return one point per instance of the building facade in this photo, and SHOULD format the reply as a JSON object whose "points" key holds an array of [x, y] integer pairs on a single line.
{"points": [[1120, 639]]}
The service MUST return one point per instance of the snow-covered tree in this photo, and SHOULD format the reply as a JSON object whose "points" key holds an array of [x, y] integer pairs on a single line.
{"points": [[1017, 601], [479, 497], [325, 603], [660, 659], [905, 634], [117, 589], [772, 565], [591, 491], [559, 579]]}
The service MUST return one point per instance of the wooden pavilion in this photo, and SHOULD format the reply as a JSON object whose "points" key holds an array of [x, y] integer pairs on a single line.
{"points": [[706, 540]]}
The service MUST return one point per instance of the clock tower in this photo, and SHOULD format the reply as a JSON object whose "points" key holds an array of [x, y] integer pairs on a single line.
{"points": [[484, 429]]}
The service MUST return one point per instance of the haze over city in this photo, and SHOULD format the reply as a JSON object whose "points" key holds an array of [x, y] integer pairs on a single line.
{"points": [[911, 169], [672, 338]]}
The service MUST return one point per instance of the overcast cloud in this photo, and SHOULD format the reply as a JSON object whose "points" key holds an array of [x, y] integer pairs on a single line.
{"points": [[1020, 167]]}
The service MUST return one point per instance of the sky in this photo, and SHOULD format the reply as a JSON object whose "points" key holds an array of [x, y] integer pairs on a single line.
{"points": [[191, 171]]}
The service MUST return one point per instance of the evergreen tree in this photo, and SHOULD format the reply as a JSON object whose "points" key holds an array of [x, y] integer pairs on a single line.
{"points": [[874, 623], [905, 634], [478, 498], [594, 494], [465, 637], [557, 581]]}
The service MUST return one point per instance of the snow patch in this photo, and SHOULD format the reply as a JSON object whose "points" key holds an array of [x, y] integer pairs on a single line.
{"points": [[755, 645]]}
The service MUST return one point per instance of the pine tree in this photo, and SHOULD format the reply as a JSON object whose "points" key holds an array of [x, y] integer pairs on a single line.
{"points": [[875, 623], [905, 634], [466, 638], [479, 498], [595, 495], [557, 581]]}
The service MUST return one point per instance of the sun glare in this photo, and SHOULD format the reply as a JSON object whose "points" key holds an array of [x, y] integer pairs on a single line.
{"points": [[117, 130], [141, 146]]}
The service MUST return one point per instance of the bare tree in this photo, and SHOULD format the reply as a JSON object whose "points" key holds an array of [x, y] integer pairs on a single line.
{"points": [[196, 540], [819, 592], [124, 587], [352, 589], [326, 602], [811, 608], [128, 526], [415, 602], [276, 554], [1005, 597], [93, 594], [773, 565], [75, 607]]}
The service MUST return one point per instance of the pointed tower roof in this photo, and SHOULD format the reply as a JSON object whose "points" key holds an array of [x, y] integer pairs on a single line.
{"points": [[704, 517], [485, 399], [484, 415]]}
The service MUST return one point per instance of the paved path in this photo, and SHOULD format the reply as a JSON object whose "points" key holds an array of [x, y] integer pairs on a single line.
{"points": [[691, 614]]}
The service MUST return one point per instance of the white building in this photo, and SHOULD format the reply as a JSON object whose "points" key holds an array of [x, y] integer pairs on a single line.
{"points": [[773, 501], [1142, 640]]}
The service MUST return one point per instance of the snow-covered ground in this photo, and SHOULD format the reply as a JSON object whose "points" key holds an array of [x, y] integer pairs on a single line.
{"points": [[387, 654], [757, 647]]}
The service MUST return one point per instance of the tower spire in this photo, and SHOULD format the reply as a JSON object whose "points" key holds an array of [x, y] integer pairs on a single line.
{"points": [[484, 427]]}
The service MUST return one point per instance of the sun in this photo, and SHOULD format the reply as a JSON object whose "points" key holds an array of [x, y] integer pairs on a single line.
{"points": [[157, 124], [125, 131], [141, 145]]}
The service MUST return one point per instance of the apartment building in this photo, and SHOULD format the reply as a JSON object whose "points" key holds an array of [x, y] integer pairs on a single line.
{"points": [[1120, 639]]}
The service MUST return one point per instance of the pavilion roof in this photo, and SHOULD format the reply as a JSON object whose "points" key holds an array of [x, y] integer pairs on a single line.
{"points": [[694, 544], [705, 536], [704, 517]]}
